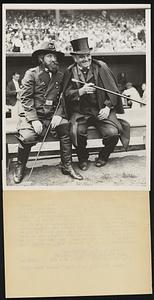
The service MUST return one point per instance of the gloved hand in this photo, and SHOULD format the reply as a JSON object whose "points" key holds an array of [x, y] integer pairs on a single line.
{"points": [[37, 125], [55, 121], [104, 113], [88, 88]]}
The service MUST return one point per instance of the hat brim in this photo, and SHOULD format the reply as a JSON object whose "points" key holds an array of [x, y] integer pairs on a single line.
{"points": [[81, 52], [59, 54]]}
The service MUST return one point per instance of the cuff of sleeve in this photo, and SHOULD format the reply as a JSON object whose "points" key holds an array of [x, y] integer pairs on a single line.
{"points": [[31, 118], [108, 104]]}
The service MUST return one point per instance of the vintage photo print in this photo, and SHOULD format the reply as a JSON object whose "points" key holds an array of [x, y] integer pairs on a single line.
{"points": [[76, 96]]}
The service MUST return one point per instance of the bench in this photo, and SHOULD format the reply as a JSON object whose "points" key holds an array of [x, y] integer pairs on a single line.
{"points": [[136, 118]]}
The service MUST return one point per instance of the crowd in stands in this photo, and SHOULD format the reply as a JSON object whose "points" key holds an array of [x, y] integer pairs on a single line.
{"points": [[107, 30]]}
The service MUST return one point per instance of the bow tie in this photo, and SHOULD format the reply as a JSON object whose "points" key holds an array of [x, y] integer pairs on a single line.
{"points": [[85, 70]]}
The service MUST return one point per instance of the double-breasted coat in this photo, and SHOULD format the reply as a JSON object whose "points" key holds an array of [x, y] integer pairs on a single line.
{"points": [[40, 94], [40, 99]]}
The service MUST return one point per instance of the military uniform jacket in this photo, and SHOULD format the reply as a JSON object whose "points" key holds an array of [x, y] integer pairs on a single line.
{"points": [[40, 94]]}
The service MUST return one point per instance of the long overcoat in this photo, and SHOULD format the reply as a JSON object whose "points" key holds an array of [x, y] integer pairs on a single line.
{"points": [[104, 78]]}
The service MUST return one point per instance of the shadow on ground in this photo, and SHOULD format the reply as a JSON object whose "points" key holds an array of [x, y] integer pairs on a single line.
{"points": [[123, 170]]}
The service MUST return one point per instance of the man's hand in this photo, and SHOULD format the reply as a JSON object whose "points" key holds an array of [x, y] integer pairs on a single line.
{"points": [[38, 127], [55, 121], [104, 113], [88, 88]]}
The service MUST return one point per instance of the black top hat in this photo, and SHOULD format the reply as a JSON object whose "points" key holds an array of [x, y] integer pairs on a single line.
{"points": [[45, 48], [80, 46]]}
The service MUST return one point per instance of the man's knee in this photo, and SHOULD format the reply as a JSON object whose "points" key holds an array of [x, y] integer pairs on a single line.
{"points": [[112, 131], [82, 130], [28, 137]]}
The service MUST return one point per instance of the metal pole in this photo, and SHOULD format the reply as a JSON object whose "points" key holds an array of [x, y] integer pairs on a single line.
{"points": [[57, 17], [109, 91]]}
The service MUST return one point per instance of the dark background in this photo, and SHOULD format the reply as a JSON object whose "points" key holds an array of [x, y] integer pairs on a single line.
{"points": [[132, 65]]}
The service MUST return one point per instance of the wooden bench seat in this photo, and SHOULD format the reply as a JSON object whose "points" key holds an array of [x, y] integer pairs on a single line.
{"points": [[137, 120]]}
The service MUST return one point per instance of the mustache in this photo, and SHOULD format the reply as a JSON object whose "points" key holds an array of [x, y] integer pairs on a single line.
{"points": [[54, 63], [54, 67]]}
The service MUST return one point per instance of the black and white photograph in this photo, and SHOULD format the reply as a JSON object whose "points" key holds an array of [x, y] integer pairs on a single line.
{"points": [[76, 96], [76, 158]]}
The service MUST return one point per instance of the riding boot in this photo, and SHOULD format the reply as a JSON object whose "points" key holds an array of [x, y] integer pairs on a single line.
{"points": [[63, 132], [23, 154]]}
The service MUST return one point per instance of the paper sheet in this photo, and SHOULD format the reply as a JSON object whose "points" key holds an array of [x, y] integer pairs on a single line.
{"points": [[73, 243]]}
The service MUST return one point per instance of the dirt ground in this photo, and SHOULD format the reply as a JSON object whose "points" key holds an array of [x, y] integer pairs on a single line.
{"points": [[124, 170]]}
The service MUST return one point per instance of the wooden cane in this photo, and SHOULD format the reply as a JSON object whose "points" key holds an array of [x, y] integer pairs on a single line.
{"points": [[109, 91]]}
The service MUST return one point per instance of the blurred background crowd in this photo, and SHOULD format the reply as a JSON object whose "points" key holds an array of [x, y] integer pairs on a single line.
{"points": [[107, 30]]}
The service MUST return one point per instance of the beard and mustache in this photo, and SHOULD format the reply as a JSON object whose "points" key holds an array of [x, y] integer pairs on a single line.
{"points": [[53, 67]]}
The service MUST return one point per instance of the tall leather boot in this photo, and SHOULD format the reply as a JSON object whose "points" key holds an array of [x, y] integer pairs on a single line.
{"points": [[23, 154], [63, 132]]}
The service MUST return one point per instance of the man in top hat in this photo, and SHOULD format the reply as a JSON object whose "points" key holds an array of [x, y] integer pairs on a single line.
{"points": [[88, 106], [40, 98]]}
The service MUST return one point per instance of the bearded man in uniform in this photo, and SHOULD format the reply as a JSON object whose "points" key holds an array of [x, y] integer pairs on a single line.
{"points": [[40, 93]]}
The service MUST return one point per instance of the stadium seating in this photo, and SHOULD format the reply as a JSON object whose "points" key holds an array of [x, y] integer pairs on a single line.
{"points": [[108, 31]]}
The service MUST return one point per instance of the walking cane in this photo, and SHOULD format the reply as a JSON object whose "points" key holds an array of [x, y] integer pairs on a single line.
{"points": [[109, 91], [43, 140]]}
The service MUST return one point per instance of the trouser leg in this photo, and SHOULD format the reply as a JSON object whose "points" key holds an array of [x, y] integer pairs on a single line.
{"points": [[109, 143], [63, 131], [82, 135], [110, 137]]}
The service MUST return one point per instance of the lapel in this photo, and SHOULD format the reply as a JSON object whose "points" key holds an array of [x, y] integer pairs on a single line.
{"points": [[95, 72], [77, 74], [13, 85], [43, 76], [89, 74], [54, 82], [80, 75], [50, 84], [98, 92]]}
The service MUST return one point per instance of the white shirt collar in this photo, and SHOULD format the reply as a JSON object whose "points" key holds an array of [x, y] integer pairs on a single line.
{"points": [[16, 83], [49, 72], [83, 68]]}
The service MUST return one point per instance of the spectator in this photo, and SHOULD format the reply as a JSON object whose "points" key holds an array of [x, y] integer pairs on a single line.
{"points": [[123, 30], [122, 80], [17, 43], [13, 89], [131, 92], [143, 98]]}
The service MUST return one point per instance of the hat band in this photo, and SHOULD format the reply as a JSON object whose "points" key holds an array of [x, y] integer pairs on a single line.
{"points": [[82, 51]]}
